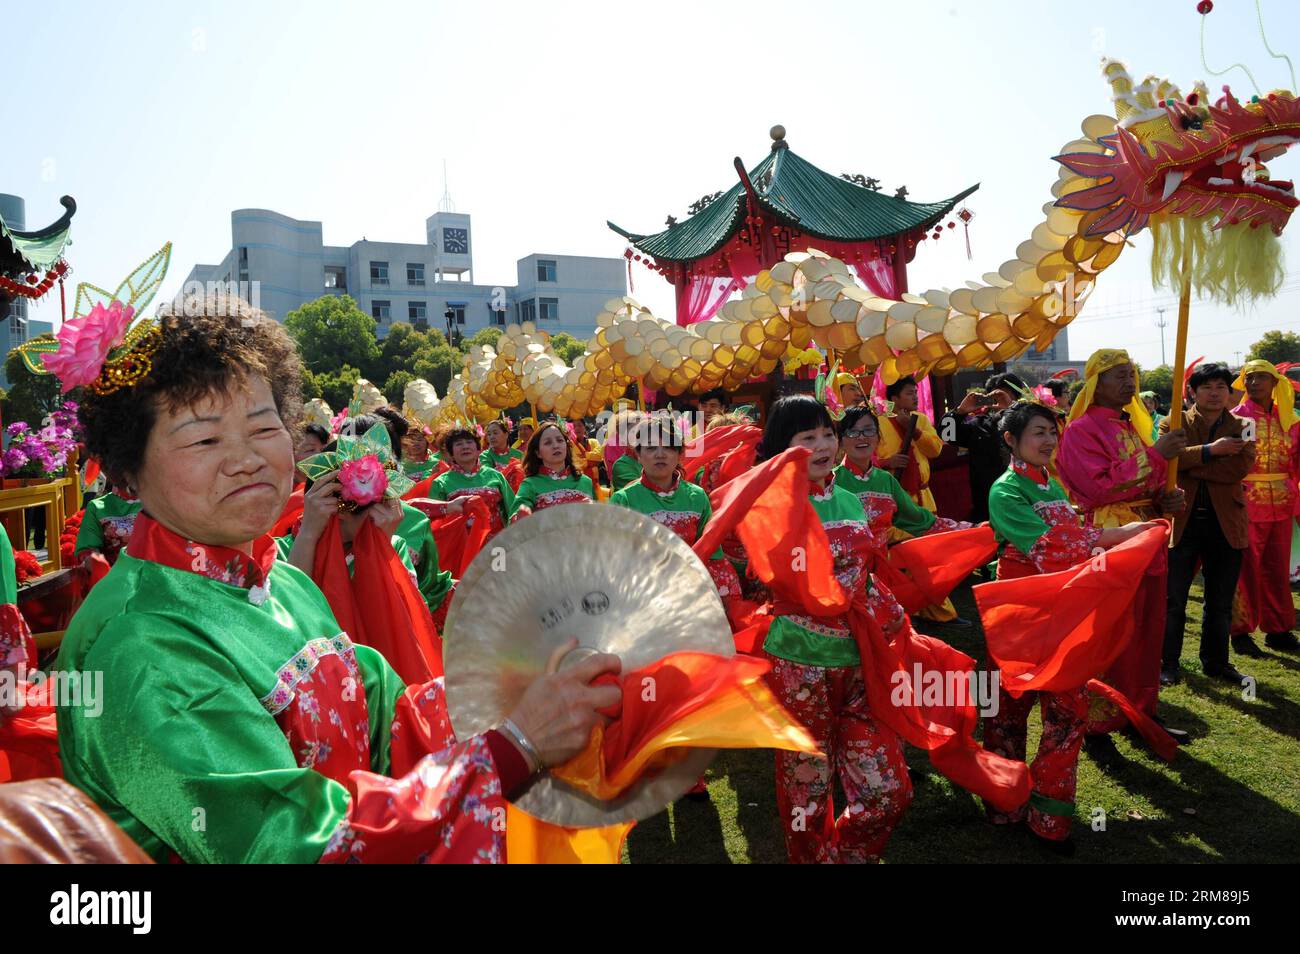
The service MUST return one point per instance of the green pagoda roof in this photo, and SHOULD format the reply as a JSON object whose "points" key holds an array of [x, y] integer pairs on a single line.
{"points": [[798, 194], [36, 251]]}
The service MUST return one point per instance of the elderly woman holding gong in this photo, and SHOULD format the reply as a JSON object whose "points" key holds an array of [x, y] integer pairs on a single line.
{"points": [[239, 722]]}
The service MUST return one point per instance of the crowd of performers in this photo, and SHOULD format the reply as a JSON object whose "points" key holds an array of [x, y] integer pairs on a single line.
{"points": [[272, 659]]}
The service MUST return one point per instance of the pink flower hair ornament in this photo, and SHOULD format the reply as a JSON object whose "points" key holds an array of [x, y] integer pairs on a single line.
{"points": [[84, 345]]}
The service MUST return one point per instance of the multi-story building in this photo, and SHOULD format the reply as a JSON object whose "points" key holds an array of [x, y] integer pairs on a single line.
{"points": [[279, 263], [14, 325]]}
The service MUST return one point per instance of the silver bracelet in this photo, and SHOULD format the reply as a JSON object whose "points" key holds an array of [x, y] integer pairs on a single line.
{"points": [[530, 751]]}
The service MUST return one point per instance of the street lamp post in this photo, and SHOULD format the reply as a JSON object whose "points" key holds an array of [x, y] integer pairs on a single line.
{"points": [[450, 316]]}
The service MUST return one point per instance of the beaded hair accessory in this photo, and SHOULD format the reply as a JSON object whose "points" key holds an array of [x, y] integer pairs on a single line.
{"points": [[98, 348], [1038, 395]]}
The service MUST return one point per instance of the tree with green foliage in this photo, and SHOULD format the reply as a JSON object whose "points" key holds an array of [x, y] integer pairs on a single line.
{"points": [[437, 365], [483, 337], [394, 386], [332, 332], [1276, 347], [31, 397], [310, 386], [336, 387], [1160, 380], [567, 347]]}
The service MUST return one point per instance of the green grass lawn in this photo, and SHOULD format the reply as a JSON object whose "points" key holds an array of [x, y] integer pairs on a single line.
{"points": [[1231, 795]]}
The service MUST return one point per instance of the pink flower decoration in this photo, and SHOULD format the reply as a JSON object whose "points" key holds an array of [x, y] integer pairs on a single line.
{"points": [[337, 420], [1045, 396], [363, 480], [84, 344]]}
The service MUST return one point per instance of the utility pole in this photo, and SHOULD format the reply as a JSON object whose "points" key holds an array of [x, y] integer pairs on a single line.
{"points": [[1162, 325]]}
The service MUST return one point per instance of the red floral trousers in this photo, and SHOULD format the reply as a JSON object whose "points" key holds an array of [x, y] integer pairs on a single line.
{"points": [[864, 755], [1054, 770]]}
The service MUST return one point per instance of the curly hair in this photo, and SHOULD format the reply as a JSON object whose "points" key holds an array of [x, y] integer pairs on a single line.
{"points": [[209, 345]]}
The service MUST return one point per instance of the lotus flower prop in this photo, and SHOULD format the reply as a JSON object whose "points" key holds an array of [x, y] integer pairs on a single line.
{"points": [[365, 398], [368, 468], [317, 411], [363, 480], [421, 402]]}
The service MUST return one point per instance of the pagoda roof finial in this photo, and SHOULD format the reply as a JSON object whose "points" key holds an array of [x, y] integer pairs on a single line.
{"points": [[777, 133]]}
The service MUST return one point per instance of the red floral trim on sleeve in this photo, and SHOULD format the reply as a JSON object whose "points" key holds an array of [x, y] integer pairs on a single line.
{"points": [[442, 804], [946, 525], [16, 643], [447, 810], [1064, 545], [724, 578]]}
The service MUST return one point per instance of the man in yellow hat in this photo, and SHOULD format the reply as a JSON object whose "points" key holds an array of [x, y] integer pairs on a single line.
{"points": [[1115, 475], [1264, 591], [526, 427], [848, 390]]}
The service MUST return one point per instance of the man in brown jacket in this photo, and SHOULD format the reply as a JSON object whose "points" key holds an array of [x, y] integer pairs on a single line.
{"points": [[1212, 531]]}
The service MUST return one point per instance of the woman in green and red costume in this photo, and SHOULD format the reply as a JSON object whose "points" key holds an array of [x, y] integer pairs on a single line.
{"points": [[499, 453], [620, 459], [368, 573], [468, 477], [106, 525], [1039, 532], [551, 476], [817, 673], [663, 495], [239, 723], [845, 659], [411, 439], [886, 503]]}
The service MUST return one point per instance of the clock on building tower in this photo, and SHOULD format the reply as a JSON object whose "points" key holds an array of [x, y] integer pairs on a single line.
{"points": [[455, 241]]}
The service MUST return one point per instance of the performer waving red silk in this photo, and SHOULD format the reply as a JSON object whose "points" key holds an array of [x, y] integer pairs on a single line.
{"points": [[1050, 635], [843, 653]]}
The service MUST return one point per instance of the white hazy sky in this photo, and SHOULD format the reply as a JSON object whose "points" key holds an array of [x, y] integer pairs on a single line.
{"points": [[160, 118]]}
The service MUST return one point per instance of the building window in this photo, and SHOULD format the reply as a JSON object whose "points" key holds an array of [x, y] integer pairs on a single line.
{"points": [[527, 311], [381, 310], [456, 312], [415, 273], [545, 270], [379, 273], [417, 311], [497, 317], [548, 309], [336, 278]]}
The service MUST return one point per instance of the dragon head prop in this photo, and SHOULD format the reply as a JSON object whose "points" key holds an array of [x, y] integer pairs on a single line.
{"points": [[1182, 155], [1194, 171]]}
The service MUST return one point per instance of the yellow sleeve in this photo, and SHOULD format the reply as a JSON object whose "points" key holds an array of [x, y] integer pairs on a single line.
{"points": [[890, 440], [927, 439]]}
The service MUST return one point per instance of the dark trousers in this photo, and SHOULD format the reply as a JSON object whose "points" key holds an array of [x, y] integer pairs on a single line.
{"points": [[1202, 543]]}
